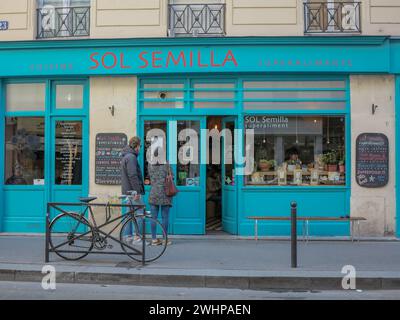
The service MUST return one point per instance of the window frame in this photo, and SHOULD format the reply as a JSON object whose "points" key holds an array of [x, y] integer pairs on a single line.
{"points": [[48, 114], [240, 112], [347, 153]]}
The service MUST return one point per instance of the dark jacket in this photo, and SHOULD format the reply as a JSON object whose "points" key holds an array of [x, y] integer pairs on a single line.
{"points": [[158, 173], [132, 179]]}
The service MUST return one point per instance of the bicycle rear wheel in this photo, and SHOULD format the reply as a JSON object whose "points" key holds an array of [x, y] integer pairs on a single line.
{"points": [[133, 228], [71, 236]]}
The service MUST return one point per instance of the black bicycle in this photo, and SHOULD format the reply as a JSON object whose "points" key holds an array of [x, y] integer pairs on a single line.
{"points": [[72, 236]]}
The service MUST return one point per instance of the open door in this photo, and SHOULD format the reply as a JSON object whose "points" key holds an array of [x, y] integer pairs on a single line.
{"points": [[229, 183]]}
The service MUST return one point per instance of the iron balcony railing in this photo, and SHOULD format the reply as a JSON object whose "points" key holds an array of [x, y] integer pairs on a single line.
{"points": [[196, 20], [332, 17], [62, 22]]}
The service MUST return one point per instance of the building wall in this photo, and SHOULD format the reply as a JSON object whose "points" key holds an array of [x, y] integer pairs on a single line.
{"points": [[383, 17], [21, 16], [105, 92], [149, 18], [128, 18], [260, 18], [377, 205]]}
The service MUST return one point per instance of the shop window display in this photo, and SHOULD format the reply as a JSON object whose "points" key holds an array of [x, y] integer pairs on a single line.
{"points": [[297, 150], [188, 155], [24, 151], [151, 128], [68, 153]]}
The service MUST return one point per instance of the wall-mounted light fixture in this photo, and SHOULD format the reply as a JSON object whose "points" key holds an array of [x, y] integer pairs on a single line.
{"points": [[374, 107], [112, 110]]}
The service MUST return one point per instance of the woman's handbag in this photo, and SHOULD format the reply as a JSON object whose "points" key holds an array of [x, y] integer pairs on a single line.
{"points": [[170, 188]]}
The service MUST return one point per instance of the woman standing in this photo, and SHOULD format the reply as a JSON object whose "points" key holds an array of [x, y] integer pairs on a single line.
{"points": [[158, 199]]}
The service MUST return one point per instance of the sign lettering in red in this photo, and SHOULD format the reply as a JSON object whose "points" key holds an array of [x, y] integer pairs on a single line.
{"points": [[163, 59]]}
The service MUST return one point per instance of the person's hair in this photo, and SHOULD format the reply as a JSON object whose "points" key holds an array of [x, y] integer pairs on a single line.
{"points": [[293, 151], [134, 142]]}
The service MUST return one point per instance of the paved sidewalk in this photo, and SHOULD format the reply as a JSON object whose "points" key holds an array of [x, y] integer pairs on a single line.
{"points": [[214, 262]]}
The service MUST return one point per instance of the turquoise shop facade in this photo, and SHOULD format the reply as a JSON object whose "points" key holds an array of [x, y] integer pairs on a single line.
{"points": [[234, 60]]}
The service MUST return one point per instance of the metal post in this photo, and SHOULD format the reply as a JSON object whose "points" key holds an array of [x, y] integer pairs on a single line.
{"points": [[144, 240], [294, 234], [47, 258]]}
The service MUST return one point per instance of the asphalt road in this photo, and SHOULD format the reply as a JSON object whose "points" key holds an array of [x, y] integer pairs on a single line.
{"points": [[28, 291]]}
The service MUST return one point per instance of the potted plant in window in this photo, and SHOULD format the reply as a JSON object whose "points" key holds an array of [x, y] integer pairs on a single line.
{"points": [[330, 160]]}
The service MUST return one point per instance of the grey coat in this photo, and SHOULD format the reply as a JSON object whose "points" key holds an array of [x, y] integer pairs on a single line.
{"points": [[131, 174], [158, 173]]}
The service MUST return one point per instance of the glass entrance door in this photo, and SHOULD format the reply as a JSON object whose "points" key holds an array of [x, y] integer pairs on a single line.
{"points": [[229, 181], [184, 149], [67, 158]]}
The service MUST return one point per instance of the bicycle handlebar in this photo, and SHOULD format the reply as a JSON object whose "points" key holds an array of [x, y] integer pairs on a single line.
{"points": [[130, 194]]}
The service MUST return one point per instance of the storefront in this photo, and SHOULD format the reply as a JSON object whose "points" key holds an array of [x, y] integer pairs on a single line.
{"points": [[304, 98]]}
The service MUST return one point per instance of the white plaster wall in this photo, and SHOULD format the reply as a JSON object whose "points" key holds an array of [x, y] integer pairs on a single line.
{"points": [[377, 205], [105, 92], [128, 18], [21, 16]]}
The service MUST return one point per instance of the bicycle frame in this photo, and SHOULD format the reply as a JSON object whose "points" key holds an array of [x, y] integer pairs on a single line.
{"points": [[94, 227]]}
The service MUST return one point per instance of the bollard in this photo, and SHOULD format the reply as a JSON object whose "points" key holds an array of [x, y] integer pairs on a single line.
{"points": [[294, 233]]}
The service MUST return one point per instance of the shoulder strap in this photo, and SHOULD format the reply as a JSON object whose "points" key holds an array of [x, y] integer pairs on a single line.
{"points": [[169, 168]]}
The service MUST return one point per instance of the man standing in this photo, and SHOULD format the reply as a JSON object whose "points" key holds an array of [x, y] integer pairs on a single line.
{"points": [[132, 179]]}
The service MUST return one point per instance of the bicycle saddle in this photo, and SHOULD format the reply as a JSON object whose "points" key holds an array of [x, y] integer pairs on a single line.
{"points": [[87, 199]]}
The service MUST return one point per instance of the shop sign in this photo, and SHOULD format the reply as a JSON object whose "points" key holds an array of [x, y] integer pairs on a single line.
{"points": [[162, 60], [108, 157], [137, 59], [372, 160], [284, 125], [3, 25]]}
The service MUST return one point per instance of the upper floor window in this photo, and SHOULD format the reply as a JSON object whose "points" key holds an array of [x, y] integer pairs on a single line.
{"points": [[199, 18], [332, 16], [63, 18]]}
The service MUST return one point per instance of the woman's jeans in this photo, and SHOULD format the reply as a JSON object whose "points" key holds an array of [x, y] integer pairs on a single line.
{"points": [[129, 229], [155, 209]]}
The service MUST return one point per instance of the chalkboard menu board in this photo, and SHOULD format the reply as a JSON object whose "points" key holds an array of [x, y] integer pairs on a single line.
{"points": [[372, 160], [108, 157]]}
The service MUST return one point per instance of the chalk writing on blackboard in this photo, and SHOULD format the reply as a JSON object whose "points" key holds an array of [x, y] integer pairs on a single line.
{"points": [[372, 160], [109, 148]]}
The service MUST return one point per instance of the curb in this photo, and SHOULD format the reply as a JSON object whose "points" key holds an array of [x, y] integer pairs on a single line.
{"points": [[308, 283]]}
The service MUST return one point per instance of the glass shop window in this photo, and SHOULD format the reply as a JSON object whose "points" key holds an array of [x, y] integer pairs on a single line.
{"points": [[155, 142], [163, 95], [188, 153], [25, 97], [24, 151], [297, 150], [214, 95], [69, 96], [68, 153], [294, 95]]}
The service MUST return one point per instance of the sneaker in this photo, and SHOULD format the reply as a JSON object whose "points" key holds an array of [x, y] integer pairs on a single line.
{"points": [[156, 242], [137, 239], [169, 242]]}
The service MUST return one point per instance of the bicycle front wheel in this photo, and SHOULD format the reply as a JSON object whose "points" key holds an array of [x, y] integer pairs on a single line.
{"points": [[134, 243], [71, 236]]}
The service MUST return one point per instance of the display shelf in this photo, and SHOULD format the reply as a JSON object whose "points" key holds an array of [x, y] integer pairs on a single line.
{"points": [[290, 173]]}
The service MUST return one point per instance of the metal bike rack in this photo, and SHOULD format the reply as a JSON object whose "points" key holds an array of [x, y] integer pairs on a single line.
{"points": [[56, 206]]}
